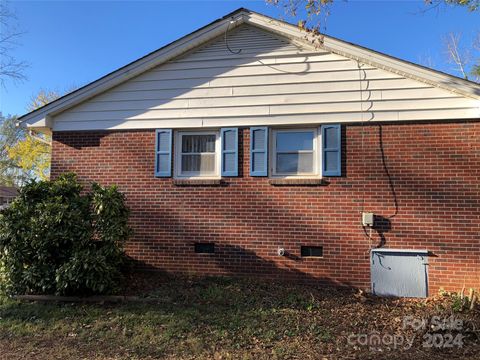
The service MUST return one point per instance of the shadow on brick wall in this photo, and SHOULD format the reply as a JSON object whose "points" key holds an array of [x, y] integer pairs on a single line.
{"points": [[80, 140], [238, 262]]}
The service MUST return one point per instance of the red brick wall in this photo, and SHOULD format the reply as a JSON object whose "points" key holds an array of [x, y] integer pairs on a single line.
{"points": [[434, 169]]}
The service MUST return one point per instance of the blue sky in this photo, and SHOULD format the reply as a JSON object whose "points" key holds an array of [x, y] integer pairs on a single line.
{"points": [[70, 43]]}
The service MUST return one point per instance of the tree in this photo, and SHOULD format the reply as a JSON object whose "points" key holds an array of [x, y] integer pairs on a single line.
{"points": [[463, 58], [10, 68], [32, 152], [32, 155], [43, 97], [476, 67], [313, 8], [57, 238], [11, 174], [471, 5]]}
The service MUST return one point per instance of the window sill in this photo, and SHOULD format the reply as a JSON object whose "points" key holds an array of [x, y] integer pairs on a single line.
{"points": [[198, 182], [298, 182]]}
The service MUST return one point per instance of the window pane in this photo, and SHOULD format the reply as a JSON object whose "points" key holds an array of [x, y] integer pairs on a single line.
{"points": [[294, 163], [294, 141], [229, 140], [163, 162], [258, 161], [258, 139], [229, 162], [204, 163], [198, 143], [331, 138], [331, 160]]}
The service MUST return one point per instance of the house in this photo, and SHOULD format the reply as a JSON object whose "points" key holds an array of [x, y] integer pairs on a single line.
{"points": [[253, 148], [7, 194]]}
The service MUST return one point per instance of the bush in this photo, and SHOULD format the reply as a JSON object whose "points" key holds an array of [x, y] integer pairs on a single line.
{"points": [[56, 239]]}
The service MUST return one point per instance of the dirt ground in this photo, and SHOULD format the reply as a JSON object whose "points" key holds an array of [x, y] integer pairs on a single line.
{"points": [[227, 318]]}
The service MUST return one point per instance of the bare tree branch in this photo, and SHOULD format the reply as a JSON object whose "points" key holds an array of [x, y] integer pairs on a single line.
{"points": [[456, 55], [471, 5], [317, 12], [426, 59], [465, 60], [10, 68], [476, 67]]}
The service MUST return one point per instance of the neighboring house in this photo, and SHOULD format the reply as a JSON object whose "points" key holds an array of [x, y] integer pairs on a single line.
{"points": [[245, 141], [7, 194]]}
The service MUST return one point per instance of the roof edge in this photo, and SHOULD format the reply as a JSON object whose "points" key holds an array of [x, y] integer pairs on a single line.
{"points": [[230, 21]]}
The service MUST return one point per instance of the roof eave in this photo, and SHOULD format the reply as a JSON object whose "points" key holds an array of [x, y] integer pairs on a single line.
{"points": [[40, 117]]}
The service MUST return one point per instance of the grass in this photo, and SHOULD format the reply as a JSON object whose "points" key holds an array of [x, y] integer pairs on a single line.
{"points": [[219, 318]]}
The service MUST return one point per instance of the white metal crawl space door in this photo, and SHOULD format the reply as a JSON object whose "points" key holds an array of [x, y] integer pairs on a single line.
{"points": [[399, 272]]}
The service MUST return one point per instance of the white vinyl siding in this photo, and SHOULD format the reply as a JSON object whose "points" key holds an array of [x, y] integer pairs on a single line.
{"points": [[269, 82]]}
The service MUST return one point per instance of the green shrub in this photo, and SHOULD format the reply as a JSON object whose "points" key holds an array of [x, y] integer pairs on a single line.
{"points": [[56, 239]]}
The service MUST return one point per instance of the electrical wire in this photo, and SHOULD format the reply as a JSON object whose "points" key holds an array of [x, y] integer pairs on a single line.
{"points": [[368, 234], [362, 136], [362, 125], [258, 60], [226, 41], [383, 159]]}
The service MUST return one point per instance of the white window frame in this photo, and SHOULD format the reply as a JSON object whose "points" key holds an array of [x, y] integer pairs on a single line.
{"points": [[178, 154], [317, 158]]}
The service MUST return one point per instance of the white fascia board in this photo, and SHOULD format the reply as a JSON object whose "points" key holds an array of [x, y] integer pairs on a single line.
{"points": [[366, 56], [158, 57]]}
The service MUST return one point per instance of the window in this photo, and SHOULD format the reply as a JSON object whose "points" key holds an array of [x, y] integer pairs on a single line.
{"points": [[311, 251], [294, 152], [204, 248], [197, 154]]}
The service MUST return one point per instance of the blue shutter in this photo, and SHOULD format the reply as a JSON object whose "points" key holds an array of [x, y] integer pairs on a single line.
{"points": [[229, 139], [331, 150], [163, 153], [259, 151]]}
